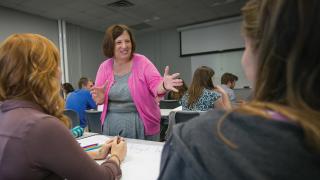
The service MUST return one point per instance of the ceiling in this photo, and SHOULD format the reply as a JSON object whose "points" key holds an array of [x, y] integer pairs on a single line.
{"points": [[144, 15]]}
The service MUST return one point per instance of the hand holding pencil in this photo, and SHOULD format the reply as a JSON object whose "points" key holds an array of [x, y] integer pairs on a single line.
{"points": [[103, 151], [119, 147], [116, 146]]}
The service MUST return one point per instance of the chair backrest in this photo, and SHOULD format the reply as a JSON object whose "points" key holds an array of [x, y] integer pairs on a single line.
{"points": [[73, 116], [243, 93], [184, 116], [93, 120], [176, 117], [169, 104]]}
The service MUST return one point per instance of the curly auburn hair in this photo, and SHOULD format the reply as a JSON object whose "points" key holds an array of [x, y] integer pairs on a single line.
{"points": [[29, 70]]}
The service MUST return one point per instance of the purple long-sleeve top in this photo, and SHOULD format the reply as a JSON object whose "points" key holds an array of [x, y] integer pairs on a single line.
{"points": [[35, 145]]}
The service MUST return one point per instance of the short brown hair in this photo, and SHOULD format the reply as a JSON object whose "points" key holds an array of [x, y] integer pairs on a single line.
{"points": [[112, 33], [83, 82], [228, 77]]}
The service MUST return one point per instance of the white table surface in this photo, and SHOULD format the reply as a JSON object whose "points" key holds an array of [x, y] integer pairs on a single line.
{"points": [[166, 112], [142, 160]]}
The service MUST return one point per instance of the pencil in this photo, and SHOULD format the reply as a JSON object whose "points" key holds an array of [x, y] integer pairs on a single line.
{"points": [[118, 137], [90, 145], [93, 148]]}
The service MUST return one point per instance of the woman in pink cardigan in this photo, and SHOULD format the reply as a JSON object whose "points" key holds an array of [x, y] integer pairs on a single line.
{"points": [[128, 85]]}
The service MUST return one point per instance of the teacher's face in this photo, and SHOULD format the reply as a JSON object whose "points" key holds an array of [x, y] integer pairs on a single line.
{"points": [[123, 46]]}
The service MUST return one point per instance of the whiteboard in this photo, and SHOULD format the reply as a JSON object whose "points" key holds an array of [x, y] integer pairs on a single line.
{"points": [[223, 35], [221, 63], [142, 160]]}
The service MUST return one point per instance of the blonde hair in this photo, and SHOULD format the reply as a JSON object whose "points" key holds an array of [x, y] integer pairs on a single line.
{"points": [[285, 38], [29, 70]]}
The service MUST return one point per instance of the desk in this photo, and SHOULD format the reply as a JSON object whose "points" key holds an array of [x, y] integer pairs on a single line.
{"points": [[166, 112], [142, 160]]}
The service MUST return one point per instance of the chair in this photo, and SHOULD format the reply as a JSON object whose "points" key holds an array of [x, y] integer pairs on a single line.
{"points": [[73, 116], [93, 121], [176, 117], [184, 116], [243, 93], [169, 104]]}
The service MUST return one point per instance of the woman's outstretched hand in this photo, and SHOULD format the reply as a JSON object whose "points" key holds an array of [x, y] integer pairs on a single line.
{"points": [[171, 81], [98, 93]]}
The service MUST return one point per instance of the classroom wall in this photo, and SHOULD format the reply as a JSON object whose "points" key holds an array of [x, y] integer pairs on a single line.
{"points": [[74, 54], [84, 52], [91, 51], [83, 45], [163, 48], [12, 21]]}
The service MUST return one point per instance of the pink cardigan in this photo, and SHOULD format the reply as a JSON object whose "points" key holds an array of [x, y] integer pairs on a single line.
{"points": [[143, 83]]}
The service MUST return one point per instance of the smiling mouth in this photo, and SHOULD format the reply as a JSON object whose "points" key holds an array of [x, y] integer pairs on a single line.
{"points": [[124, 52]]}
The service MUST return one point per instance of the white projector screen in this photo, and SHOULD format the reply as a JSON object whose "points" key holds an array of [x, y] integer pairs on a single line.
{"points": [[212, 37]]}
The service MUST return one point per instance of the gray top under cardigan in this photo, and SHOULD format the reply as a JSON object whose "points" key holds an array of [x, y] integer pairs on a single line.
{"points": [[122, 117]]}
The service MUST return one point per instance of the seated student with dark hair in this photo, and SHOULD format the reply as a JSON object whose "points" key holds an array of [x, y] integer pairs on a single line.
{"points": [[67, 88], [34, 140], [277, 134], [81, 100]]}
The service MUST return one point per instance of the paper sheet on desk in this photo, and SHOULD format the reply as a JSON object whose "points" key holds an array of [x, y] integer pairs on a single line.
{"points": [[177, 108], [142, 160]]}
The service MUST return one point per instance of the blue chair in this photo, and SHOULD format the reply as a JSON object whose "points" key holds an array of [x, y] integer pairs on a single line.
{"points": [[73, 116], [93, 121]]}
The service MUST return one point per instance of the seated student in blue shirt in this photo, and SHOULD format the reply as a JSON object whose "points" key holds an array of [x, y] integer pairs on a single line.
{"points": [[81, 100]]}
